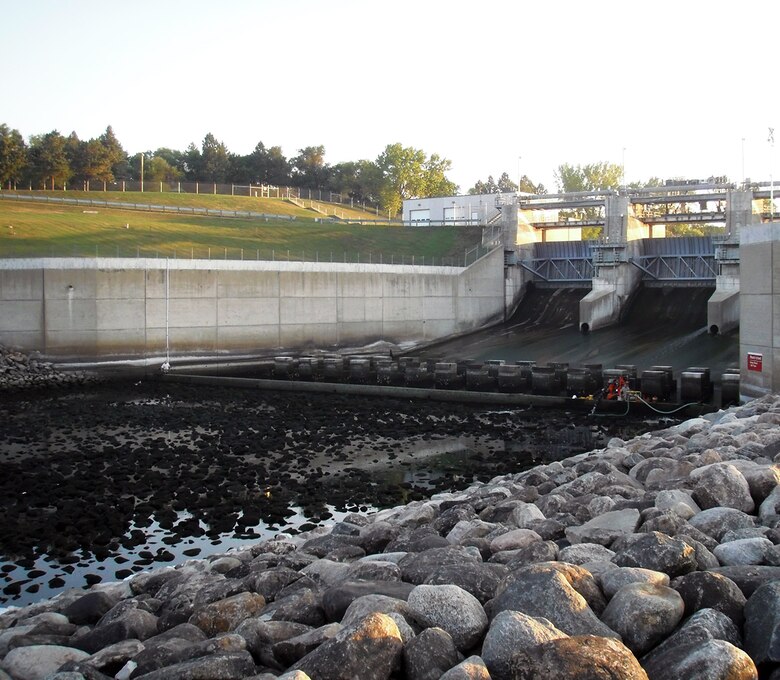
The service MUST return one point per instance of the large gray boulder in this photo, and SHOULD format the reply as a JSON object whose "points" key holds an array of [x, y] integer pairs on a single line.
{"points": [[369, 604], [613, 580], [708, 590], [743, 551], [762, 624], [473, 668], [295, 648], [657, 552], [581, 553], [526, 514], [722, 486], [260, 637], [225, 666], [771, 504], [604, 529], [224, 615], [336, 600], [715, 522], [511, 631], [367, 650], [429, 655], [477, 578], [584, 657], [677, 501], [704, 625], [705, 660], [452, 609], [543, 591], [514, 540], [643, 614], [749, 577], [133, 624], [416, 567], [37, 662]]}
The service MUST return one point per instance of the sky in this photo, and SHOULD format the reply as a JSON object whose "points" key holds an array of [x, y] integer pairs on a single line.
{"points": [[667, 89]]}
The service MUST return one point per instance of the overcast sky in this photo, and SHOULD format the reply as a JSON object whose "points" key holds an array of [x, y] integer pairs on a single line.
{"points": [[672, 88]]}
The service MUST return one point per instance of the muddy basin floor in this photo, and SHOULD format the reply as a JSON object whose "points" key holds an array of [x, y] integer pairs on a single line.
{"points": [[98, 483]]}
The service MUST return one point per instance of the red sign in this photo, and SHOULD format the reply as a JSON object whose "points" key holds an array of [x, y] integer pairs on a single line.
{"points": [[755, 362]]}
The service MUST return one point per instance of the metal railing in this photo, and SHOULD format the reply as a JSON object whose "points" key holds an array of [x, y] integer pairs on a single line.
{"points": [[560, 270], [191, 210], [118, 250], [214, 188]]}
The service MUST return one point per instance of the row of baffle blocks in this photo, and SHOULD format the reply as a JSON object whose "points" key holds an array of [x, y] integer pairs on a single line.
{"points": [[656, 383]]}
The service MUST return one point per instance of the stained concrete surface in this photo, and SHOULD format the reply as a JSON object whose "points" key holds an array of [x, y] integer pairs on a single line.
{"points": [[663, 326]]}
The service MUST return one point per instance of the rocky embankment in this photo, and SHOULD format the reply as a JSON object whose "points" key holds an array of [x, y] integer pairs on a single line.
{"points": [[19, 371], [656, 557]]}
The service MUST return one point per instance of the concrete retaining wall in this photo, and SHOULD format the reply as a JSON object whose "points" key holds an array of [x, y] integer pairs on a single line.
{"points": [[104, 307], [759, 309]]}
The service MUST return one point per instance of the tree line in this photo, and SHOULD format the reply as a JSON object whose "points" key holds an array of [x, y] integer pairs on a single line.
{"points": [[53, 160]]}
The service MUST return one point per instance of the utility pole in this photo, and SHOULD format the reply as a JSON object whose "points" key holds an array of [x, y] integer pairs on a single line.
{"points": [[771, 141], [743, 162], [142, 172]]}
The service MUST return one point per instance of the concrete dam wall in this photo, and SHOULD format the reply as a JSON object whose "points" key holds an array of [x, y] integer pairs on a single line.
{"points": [[118, 307]]}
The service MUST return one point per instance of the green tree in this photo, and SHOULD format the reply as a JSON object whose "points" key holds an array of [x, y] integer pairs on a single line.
{"points": [[92, 162], [359, 180], [406, 173], [436, 182], [117, 157], [528, 187], [262, 166], [214, 160], [277, 168], [487, 187], [49, 164], [308, 168], [506, 185], [590, 177], [192, 162], [158, 169], [13, 155], [174, 158]]}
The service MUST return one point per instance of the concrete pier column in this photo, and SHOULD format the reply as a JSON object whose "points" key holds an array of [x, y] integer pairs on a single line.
{"points": [[723, 306], [616, 219], [518, 236], [614, 278], [759, 317]]}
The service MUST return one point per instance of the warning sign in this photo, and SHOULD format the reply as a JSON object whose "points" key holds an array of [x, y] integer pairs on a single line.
{"points": [[755, 362]]}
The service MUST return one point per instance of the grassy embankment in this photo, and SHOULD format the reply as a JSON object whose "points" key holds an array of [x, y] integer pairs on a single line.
{"points": [[32, 229]]}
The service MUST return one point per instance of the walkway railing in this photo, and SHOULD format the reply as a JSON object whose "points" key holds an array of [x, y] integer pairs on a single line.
{"points": [[118, 250], [185, 210], [215, 188]]}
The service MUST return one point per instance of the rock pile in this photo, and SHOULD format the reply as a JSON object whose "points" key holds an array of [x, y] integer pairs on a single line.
{"points": [[656, 557], [20, 371]]}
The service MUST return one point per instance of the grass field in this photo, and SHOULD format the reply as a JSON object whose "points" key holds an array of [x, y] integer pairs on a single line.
{"points": [[276, 206], [40, 230]]}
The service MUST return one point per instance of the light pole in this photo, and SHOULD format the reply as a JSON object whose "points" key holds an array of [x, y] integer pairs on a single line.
{"points": [[743, 162], [623, 168], [771, 141], [142, 172], [519, 176]]}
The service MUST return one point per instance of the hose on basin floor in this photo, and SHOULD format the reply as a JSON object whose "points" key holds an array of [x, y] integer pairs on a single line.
{"points": [[667, 413], [638, 397]]}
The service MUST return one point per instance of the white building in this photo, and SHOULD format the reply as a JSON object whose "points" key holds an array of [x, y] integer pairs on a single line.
{"points": [[455, 210]]}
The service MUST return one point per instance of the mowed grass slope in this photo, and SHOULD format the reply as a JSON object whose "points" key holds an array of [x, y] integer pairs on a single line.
{"points": [[274, 206], [40, 230]]}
